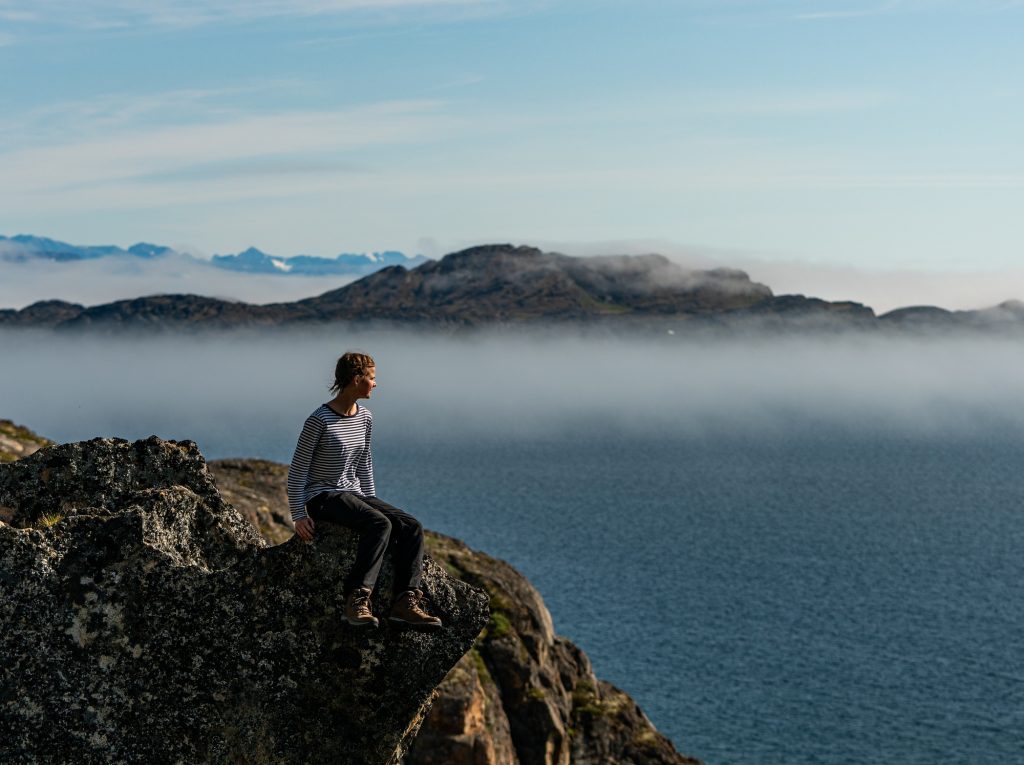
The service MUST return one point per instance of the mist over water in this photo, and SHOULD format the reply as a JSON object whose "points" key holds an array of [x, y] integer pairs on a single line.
{"points": [[796, 550], [245, 394], [103, 280]]}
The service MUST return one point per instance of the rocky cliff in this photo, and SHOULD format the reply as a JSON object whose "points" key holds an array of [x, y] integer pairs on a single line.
{"points": [[144, 620], [522, 695]]}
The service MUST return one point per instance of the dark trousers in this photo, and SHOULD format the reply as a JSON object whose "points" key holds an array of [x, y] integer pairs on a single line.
{"points": [[379, 524]]}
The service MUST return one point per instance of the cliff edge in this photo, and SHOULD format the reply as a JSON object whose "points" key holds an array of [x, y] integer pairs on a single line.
{"points": [[522, 695], [145, 620]]}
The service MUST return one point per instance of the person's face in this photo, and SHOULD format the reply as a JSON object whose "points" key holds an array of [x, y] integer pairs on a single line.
{"points": [[367, 382]]}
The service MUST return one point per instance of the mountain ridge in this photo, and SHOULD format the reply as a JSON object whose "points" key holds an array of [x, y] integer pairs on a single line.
{"points": [[505, 285], [26, 247]]}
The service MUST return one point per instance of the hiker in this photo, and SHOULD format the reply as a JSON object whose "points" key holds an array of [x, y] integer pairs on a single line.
{"points": [[331, 480]]}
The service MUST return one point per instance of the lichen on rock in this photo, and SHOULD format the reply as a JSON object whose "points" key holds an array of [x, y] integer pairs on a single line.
{"points": [[143, 619]]}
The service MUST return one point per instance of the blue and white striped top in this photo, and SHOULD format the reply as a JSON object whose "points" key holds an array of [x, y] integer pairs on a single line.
{"points": [[333, 454]]}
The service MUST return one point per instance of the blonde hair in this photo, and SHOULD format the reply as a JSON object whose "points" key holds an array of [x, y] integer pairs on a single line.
{"points": [[350, 366]]}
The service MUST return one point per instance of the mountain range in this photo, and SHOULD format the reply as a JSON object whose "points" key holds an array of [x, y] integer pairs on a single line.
{"points": [[502, 284], [25, 247]]}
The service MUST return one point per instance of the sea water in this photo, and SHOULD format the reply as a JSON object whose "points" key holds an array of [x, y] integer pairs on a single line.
{"points": [[813, 598], [786, 553]]}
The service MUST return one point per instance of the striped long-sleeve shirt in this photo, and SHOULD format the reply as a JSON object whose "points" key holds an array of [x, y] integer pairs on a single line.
{"points": [[333, 454]]}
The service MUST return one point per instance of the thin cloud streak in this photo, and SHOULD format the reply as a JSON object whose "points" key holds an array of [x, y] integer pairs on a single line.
{"points": [[908, 7], [97, 116], [172, 149], [881, 10], [94, 182], [185, 14], [782, 102]]}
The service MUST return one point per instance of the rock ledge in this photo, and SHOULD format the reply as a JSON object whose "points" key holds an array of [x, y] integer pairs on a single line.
{"points": [[144, 620]]}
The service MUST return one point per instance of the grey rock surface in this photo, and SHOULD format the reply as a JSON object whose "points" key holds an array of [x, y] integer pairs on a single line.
{"points": [[143, 619]]}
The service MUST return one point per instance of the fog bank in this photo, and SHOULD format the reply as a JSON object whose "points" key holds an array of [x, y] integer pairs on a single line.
{"points": [[247, 394], [104, 280], [881, 289]]}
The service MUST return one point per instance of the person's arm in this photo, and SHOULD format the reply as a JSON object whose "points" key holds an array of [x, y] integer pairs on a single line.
{"points": [[299, 469], [364, 470]]}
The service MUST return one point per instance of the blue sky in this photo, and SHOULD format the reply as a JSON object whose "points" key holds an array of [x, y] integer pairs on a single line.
{"points": [[841, 134]]}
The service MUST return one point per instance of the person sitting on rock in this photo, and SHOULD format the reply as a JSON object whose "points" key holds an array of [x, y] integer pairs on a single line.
{"points": [[331, 480]]}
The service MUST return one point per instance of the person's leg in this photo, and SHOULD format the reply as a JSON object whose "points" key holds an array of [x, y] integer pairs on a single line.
{"points": [[374, 530], [407, 536]]}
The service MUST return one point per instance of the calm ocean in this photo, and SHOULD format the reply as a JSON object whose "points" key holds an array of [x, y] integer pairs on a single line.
{"points": [[804, 552], [814, 599]]}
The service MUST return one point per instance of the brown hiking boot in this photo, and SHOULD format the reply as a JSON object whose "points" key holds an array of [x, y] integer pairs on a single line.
{"points": [[408, 610], [357, 609]]}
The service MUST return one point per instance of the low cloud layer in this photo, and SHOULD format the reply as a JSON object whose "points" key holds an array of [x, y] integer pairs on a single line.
{"points": [[882, 290], [247, 394], [108, 279], [91, 282], [886, 290]]}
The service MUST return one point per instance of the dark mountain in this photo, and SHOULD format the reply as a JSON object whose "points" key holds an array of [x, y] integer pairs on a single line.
{"points": [[166, 312], [1007, 316], [501, 284], [497, 283], [45, 313]]}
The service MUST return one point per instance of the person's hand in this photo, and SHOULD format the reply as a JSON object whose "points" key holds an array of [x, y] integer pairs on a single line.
{"points": [[304, 528]]}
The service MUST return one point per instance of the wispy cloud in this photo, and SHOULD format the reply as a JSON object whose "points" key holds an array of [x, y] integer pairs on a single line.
{"points": [[782, 102], [853, 10], [107, 113], [157, 164], [458, 82], [108, 14], [849, 13], [9, 13], [826, 15]]}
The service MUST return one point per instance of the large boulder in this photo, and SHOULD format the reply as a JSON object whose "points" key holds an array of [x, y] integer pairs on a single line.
{"points": [[144, 620]]}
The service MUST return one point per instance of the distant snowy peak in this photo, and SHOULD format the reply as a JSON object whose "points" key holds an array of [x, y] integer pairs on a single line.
{"points": [[25, 247], [255, 261], [145, 250]]}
